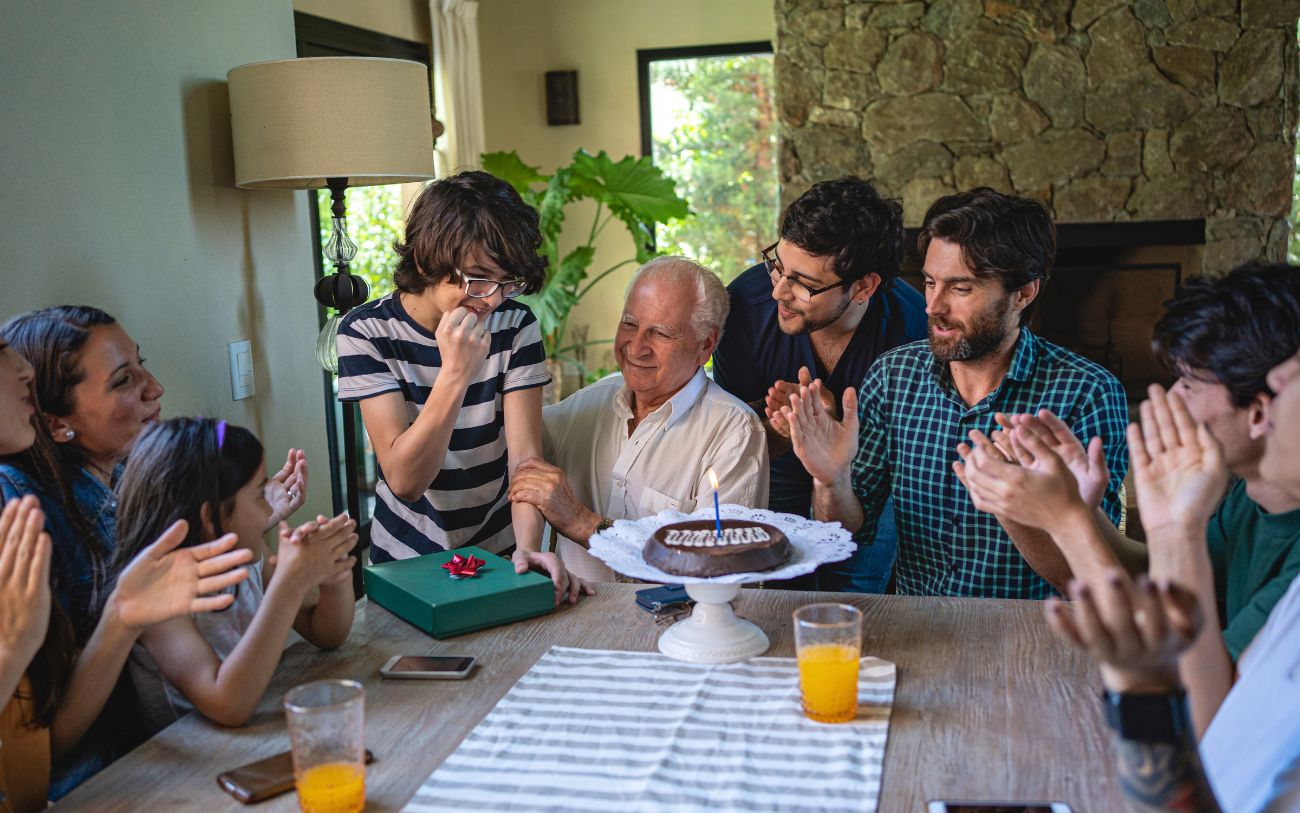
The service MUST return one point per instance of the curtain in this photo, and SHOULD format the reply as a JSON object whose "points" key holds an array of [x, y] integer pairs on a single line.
{"points": [[457, 85]]}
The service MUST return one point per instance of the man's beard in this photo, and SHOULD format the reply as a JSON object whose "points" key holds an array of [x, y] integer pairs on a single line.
{"points": [[812, 325], [984, 335]]}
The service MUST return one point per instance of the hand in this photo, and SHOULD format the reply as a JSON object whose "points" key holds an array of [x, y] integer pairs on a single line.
{"points": [[163, 582], [1135, 632], [1036, 490], [463, 341], [778, 396], [24, 580], [316, 553], [287, 490], [567, 585], [1088, 466], [544, 486], [823, 445], [1177, 467]]}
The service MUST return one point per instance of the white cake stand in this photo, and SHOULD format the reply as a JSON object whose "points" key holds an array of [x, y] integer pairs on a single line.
{"points": [[713, 633]]}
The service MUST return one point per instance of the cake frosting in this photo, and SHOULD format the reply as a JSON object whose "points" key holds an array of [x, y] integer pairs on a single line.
{"points": [[695, 548]]}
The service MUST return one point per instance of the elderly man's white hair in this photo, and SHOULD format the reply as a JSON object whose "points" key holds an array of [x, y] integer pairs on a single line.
{"points": [[711, 301]]}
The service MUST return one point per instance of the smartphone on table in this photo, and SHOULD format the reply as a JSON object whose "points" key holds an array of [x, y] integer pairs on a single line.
{"points": [[997, 807], [427, 667], [264, 779]]}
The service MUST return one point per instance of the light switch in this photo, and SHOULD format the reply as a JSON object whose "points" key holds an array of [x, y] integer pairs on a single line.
{"points": [[241, 370]]}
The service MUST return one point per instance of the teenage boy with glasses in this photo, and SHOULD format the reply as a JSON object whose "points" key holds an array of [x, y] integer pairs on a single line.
{"points": [[449, 374], [824, 303]]}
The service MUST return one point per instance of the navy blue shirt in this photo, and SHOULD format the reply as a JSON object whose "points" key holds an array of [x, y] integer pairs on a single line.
{"points": [[754, 353]]}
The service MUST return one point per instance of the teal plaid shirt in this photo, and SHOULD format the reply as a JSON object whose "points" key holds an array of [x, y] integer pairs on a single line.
{"points": [[911, 422]]}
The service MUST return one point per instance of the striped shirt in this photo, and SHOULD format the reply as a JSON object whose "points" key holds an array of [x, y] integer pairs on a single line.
{"points": [[912, 419], [382, 349]]}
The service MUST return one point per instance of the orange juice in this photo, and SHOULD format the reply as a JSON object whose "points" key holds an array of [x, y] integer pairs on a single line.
{"points": [[335, 787], [828, 675]]}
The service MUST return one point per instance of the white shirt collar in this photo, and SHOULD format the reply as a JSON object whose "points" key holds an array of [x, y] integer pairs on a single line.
{"points": [[677, 406]]}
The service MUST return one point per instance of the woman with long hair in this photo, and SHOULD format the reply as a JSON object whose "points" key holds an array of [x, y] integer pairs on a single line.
{"points": [[52, 687]]}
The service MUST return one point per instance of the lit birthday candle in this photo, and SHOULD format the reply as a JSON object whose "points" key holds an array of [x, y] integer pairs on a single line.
{"points": [[717, 512]]}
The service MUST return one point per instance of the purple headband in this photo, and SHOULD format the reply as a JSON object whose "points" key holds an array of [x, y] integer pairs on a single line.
{"points": [[221, 434]]}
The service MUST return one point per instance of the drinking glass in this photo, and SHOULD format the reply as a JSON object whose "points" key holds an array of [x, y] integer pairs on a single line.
{"points": [[828, 640], [326, 730]]}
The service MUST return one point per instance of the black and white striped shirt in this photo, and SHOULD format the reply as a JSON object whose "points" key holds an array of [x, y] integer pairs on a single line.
{"points": [[382, 349]]}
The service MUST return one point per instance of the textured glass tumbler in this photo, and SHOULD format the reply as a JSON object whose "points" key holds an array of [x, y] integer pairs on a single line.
{"points": [[828, 643], [327, 732]]}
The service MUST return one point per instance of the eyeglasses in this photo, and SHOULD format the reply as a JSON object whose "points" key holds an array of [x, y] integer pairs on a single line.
{"points": [[801, 292], [482, 287]]}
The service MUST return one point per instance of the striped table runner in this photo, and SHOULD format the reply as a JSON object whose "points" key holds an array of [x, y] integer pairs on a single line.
{"points": [[596, 730]]}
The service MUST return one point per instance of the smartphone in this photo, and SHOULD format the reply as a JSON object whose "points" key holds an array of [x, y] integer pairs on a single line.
{"points": [[420, 667], [998, 807], [264, 779], [656, 599]]}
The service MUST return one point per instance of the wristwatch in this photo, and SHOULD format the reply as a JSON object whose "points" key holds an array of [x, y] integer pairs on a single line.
{"points": [[604, 525], [1147, 717]]}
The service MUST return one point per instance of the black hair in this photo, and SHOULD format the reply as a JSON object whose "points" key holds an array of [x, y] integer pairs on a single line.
{"points": [[176, 468], [1235, 328], [1005, 237], [454, 215], [847, 219]]}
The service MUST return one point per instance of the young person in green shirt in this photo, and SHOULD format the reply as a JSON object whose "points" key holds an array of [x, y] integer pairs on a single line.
{"points": [[1221, 337]]}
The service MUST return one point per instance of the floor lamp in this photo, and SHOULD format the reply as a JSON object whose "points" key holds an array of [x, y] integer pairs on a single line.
{"points": [[333, 122]]}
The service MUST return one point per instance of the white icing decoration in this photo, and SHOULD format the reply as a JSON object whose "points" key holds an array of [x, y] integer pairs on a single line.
{"points": [[708, 538]]}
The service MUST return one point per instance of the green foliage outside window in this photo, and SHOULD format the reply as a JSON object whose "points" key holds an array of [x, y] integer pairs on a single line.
{"points": [[720, 147], [374, 224]]}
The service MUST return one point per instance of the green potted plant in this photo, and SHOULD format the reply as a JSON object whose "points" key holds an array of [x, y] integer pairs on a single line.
{"points": [[632, 191]]}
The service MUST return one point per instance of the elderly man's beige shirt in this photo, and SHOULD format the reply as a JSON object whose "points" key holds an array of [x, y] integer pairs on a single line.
{"points": [[663, 464]]}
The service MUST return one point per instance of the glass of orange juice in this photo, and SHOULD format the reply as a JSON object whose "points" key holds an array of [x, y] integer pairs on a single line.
{"points": [[828, 641], [326, 731]]}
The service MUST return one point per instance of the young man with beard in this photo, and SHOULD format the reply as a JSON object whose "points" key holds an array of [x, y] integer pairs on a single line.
{"points": [[986, 256], [824, 303]]}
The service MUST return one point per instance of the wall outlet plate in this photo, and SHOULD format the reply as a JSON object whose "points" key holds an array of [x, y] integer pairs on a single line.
{"points": [[241, 370]]}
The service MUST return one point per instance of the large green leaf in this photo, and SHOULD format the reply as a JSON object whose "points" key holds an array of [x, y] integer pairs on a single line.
{"points": [[550, 206], [552, 304], [509, 167], [634, 189]]}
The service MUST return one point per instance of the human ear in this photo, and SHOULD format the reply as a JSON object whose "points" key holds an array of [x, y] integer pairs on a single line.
{"points": [[59, 429], [865, 288], [1027, 294], [1257, 415], [205, 516]]}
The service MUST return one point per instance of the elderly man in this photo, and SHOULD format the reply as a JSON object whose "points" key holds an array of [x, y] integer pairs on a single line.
{"points": [[637, 443]]}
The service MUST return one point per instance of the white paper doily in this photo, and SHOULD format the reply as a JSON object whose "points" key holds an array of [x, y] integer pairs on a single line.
{"points": [[815, 543]]}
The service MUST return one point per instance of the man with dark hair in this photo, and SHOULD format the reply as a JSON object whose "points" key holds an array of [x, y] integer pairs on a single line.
{"points": [[824, 303], [448, 370], [986, 256], [1220, 337]]}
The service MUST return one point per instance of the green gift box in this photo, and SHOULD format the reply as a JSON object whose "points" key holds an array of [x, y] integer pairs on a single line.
{"points": [[421, 592]]}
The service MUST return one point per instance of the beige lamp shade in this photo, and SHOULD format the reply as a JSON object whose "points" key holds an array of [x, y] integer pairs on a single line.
{"points": [[297, 122]]}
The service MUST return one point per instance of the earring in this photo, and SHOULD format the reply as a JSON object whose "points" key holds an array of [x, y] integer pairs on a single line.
{"points": [[71, 434]]}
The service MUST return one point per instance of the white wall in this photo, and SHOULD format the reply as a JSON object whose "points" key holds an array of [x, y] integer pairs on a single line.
{"points": [[519, 40], [118, 192]]}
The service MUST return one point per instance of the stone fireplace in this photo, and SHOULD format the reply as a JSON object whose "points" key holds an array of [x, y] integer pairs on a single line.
{"points": [[1105, 110]]}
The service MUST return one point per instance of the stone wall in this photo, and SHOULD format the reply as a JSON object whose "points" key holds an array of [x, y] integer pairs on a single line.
{"points": [[1103, 109]]}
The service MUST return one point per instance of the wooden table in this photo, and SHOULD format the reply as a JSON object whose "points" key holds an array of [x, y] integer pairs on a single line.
{"points": [[988, 705]]}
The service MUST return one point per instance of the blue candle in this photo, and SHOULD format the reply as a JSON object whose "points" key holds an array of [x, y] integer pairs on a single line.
{"points": [[717, 512]]}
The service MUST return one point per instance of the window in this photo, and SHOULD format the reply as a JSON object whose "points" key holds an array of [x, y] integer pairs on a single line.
{"points": [[708, 120]]}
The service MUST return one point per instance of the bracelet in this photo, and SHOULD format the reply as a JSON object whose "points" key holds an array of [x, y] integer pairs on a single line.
{"points": [[1155, 718]]}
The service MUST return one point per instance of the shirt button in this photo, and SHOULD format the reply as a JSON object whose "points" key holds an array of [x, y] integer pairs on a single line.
{"points": [[956, 520]]}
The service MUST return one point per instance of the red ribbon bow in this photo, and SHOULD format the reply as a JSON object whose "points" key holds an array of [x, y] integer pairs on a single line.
{"points": [[463, 567]]}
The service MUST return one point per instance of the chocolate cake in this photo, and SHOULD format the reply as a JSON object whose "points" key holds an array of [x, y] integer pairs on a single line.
{"points": [[693, 548]]}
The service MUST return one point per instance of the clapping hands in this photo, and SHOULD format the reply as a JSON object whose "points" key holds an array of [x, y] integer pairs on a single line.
{"points": [[1177, 467], [778, 398], [287, 490], [316, 553], [24, 580], [825, 446], [163, 582], [1135, 631]]}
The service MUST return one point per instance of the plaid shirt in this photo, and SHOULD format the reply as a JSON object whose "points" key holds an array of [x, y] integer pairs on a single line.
{"points": [[912, 419]]}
